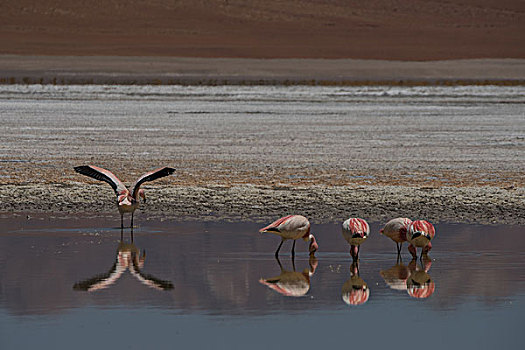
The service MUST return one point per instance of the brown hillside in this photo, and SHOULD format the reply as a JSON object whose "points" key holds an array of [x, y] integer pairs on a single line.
{"points": [[379, 29]]}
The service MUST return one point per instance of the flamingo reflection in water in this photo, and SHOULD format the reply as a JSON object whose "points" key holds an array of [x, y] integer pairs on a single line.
{"points": [[355, 291], [292, 283], [419, 283], [128, 258], [414, 278], [396, 276]]}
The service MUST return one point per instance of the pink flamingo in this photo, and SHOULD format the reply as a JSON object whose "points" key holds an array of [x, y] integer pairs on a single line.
{"points": [[396, 230], [420, 233], [127, 202], [292, 227], [355, 231]]}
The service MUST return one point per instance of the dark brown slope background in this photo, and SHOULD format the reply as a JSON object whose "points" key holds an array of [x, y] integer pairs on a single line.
{"points": [[372, 29]]}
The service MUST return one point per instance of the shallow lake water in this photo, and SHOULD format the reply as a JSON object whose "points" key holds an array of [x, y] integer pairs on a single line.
{"points": [[72, 282]]}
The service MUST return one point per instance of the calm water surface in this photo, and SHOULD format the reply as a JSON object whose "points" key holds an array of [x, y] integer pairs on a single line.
{"points": [[72, 282]]}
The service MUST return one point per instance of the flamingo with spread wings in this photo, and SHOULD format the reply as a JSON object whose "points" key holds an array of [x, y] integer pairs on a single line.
{"points": [[127, 202]]}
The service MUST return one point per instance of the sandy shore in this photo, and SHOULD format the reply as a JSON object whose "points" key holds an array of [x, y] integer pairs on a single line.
{"points": [[245, 153]]}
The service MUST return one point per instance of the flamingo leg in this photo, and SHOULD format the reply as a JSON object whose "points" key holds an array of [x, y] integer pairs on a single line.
{"points": [[279, 248], [121, 221], [279, 262], [132, 220], [293, 249], [121, 233], [413, 251]]}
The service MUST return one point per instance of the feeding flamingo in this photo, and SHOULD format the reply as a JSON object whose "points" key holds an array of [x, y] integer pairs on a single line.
{"points": [[420, 233], [355, 231], [127, 202], [292, 227], [396, 230]]}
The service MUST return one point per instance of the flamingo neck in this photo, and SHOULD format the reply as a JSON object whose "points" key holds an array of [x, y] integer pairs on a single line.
{"points": [[313, 244]]}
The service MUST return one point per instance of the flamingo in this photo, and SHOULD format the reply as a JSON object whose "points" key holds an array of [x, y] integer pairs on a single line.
{"points": [[127, 202], [396, 230], [420, 233], [292, 227], [355, 231]]}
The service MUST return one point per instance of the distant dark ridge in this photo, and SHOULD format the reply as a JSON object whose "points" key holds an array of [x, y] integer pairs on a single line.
{"points": [[127, 80]]}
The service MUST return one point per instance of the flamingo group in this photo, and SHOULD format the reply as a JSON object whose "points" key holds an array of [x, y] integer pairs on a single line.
{"points": [[355, 231]]}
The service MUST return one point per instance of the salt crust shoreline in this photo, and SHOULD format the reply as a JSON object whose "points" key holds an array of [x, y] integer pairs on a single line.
{"points": [[321, 204]]}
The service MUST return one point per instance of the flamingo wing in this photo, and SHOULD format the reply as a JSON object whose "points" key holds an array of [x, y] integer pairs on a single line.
{"points": [[356, 225], [149, 280], [102, 175], [274, 226], [100, 281], [152, 175], [424, 227]]}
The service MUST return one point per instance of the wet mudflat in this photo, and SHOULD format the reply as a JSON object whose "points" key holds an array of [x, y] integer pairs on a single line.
{"points": [[72, 282]]}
